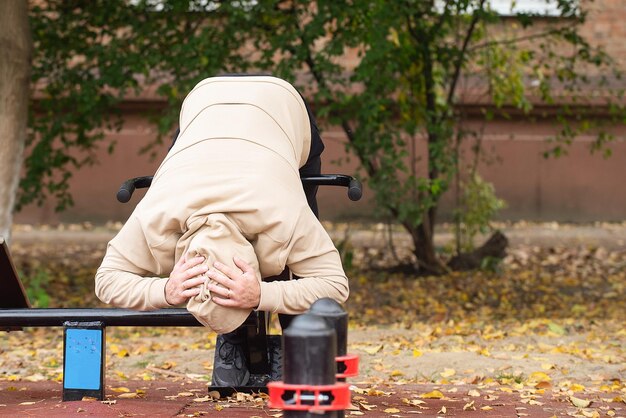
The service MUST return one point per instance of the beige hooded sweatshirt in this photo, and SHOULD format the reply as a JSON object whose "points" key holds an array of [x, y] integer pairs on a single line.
{"points": [[229, 186]]}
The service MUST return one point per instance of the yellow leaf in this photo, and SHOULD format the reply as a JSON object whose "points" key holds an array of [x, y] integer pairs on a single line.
{"points": [[392, 410], [168, 365], [121, 375], [576, 387], [130, 395], [435, 394], [123, 353], [547, 366], [413, 402], [367, 406], [579, 403], [396, 373], [373, 350], [539, 377], [486, 408], [417, 353], [448, 372], [474, 393]]}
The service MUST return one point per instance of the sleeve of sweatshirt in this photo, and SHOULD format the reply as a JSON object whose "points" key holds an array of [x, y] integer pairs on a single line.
{"points": [[127, 277], [312, 256]]}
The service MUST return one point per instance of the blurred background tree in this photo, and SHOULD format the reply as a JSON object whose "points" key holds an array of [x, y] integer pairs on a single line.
{"points": [[393, 75]]}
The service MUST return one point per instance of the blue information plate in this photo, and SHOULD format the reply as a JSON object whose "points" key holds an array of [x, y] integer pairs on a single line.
{"points": [[83, 360]]}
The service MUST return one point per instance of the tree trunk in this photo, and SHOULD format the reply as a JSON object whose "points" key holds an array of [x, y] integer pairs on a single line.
{"points": [[15, 56], [424, 250]]}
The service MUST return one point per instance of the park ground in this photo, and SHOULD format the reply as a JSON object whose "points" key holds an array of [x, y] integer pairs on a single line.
{"points": [[541, 334]]}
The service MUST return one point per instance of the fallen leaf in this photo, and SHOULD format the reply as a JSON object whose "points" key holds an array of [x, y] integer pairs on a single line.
{"points": [[435, 394], [448, 372], [579, 403], [373, 350], [130, 395]]}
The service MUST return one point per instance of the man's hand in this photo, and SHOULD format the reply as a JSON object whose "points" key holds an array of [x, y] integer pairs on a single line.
{"points": [[239, 288], [185, 280]]}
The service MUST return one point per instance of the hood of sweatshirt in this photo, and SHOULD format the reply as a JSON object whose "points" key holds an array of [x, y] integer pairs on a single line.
{"points": [[264, 110]]}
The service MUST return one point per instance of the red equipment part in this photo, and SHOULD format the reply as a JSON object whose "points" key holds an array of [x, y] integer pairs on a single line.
{"points": [[349, 364], [337, 395]]}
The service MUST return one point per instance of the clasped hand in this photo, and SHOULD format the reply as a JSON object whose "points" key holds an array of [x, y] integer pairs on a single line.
{"points": [[233, 287]]}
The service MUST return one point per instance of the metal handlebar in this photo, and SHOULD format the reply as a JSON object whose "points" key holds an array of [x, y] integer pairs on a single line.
{"points": [[355, 190]]}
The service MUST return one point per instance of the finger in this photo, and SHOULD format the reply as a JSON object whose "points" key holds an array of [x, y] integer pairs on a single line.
{"points": [[219, 277], [196, 271], [226, 270], [193, 262], [191, 283], [189, 293], [245, 267], [180, 261], [222, 292]]}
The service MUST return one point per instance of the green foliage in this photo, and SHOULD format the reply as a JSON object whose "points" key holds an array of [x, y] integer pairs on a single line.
{"points": [[415, 62], [91, 55], [479, 205], [37, 286]]}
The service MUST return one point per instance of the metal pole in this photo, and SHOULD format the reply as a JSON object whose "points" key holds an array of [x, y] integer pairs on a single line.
{"points": [[309, 346], [54, 317]]}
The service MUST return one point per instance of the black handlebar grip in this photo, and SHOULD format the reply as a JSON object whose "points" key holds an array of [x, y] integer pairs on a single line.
{"points": [[126, 191], [355, 190]]}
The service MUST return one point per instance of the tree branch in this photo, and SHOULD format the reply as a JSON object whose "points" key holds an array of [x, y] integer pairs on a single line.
{"points": [[550, 32], [460, 58]]}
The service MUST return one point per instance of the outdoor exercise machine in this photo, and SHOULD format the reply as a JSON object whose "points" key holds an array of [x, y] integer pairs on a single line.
{"points": [[84, 329], [315, 364]]}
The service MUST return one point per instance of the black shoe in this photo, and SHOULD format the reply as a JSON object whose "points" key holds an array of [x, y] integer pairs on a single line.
{"points": [[276, 358], [230, 367]]}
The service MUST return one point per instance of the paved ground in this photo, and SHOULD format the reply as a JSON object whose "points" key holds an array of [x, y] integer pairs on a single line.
{"points": [[182, 399], [167, 397]]}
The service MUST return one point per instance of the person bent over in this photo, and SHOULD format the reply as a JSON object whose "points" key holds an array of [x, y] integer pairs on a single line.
{"points": [[225, 209]]}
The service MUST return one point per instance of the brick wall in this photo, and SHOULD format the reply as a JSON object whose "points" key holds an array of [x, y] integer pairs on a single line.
{"points": [[579, 187]]}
